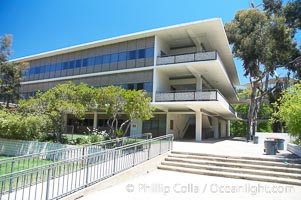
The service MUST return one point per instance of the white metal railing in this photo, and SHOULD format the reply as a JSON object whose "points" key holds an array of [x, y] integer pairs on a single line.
{"points": [[61, 178], [188, 57], [206, 95]]}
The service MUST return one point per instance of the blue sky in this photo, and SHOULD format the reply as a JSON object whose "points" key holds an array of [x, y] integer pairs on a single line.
{"points": [[43, 25]]}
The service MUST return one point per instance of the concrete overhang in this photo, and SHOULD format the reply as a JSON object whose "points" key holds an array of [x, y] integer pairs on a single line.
{"points": [[212, 71], [213, 108]]}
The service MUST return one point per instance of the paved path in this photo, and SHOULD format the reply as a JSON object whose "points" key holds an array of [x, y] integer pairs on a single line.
{"points": [[236, 146], [167, 185], [161, 184]]}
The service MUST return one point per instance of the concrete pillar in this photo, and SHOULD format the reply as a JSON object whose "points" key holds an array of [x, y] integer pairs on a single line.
{"points": [[215, 127], [136, 128], [228, 128], [198, 126], [167, 122], [95, 120], [199, 83]]}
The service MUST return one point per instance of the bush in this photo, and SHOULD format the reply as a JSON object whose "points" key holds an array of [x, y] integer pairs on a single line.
{"points": [[82, 140], [95, 138], [24, 127]]}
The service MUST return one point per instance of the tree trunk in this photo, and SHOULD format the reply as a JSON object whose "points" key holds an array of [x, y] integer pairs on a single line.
{"points": [[251, 111]]}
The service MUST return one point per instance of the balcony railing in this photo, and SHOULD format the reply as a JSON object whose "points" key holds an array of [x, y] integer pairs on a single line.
{"points": [[189, 57], [205, 95]]}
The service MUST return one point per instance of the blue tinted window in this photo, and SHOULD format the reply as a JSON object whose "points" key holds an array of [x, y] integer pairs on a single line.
{"points": [[149, 52], [78, 63], [98, 60], [71, 64], [58, 67], [47, 68], [141, 53], [42, 69], [122, 56], [52, 67], [85, 62], [36, 70], [148, 87], [114, 57], [31, 71], [65, 65], [91, 61], [132, 55], [106, 59]]}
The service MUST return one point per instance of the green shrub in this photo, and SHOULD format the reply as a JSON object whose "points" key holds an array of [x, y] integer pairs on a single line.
{"points": [[82, 140], [95, 138], [14, 125]]}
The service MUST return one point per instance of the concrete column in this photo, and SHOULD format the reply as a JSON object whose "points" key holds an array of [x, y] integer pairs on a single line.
{"points": [[228, 128], [198, 126], [215, 127], [95, 120], [199, 83], [167, 122], [136, 128]]}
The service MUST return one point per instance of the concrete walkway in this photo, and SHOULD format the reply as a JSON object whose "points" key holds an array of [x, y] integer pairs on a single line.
{"points": [[161, 184], [235, 146]]}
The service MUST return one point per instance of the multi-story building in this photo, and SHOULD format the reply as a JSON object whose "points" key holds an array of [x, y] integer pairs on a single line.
{"points": [[187, 69]]}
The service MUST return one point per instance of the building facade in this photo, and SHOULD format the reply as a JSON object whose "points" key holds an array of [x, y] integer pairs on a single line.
{"points": [[187, 69]]}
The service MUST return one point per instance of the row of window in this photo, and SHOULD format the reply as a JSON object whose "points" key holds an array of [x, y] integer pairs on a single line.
{"points": [[93, 61], [147, 86]]}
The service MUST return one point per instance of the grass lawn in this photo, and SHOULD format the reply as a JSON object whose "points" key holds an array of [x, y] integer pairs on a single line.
{"points": [[19, 165]]}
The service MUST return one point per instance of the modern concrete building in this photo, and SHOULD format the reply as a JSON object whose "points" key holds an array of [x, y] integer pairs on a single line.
{"points": [[188, 70]]}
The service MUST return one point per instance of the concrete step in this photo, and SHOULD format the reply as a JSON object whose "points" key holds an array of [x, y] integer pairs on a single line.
{"points": [[263, 158], [234, 165], [231, 175], [230, 159], [233, 170]]}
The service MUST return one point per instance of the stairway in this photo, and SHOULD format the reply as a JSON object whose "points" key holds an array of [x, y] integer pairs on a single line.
{"points": [[276, 170], [190, 132]]}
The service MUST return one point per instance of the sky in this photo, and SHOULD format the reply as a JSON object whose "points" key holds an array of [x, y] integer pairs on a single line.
{"points": [[43, 25]]}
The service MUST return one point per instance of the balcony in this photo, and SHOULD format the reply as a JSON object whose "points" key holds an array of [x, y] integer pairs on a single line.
{"points": [[207, 95], [189, 57]]}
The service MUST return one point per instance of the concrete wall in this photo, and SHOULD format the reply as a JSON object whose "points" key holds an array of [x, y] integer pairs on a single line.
{"points": [[295, 149], [161, 82], [183, 50], [161, 46], [23, 147], [223, 128], [136, 128], [179, 122]]}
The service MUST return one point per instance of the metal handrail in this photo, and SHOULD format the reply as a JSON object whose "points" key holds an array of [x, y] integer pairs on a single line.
{"points": [[55, 180], [22, 162]]}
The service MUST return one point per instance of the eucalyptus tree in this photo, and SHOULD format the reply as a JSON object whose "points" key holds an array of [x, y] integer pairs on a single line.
{"points": [[264, 43], [10, 73]]}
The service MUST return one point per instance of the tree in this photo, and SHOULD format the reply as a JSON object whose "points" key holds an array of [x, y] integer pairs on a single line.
{"points": [[60, 101], [10, 73], [239, 127], [264, 43], [136, 106], [131, 103], [289, 110], [111, 99]]}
